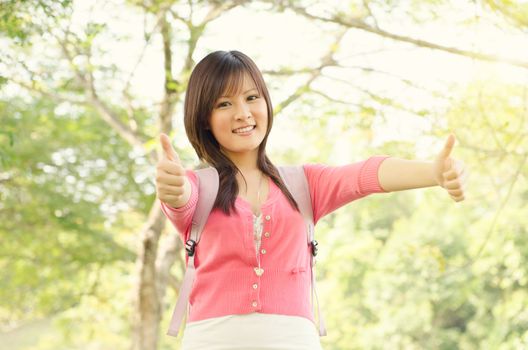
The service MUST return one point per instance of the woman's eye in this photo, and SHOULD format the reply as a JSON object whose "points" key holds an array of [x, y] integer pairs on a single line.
{"points": [[225, 104]]}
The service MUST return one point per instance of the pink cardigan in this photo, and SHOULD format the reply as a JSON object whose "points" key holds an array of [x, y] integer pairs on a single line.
{"points": [[226, 282]]}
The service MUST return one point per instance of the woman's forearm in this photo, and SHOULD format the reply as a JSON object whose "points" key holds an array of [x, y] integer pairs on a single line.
{"points": [[396, 174]]}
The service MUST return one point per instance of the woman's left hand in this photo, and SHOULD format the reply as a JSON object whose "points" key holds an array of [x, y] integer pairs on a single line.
{"points": [[450, 173]]}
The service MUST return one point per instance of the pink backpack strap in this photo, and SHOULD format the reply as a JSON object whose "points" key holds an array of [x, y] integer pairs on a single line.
{"points": [[295, 180], [207, 191]]}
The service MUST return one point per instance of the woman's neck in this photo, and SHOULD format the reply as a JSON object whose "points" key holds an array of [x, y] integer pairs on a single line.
{"points": [[245, 162]]}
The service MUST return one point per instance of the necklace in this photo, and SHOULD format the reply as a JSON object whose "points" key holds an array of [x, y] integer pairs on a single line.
{"points": [[259, 187]]}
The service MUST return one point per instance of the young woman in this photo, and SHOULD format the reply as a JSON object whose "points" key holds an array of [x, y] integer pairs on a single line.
{"points": [[252, 285]]}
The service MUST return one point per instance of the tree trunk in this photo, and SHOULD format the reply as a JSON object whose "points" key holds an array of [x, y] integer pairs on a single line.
{"points": [[152, 283], [147, 308]]}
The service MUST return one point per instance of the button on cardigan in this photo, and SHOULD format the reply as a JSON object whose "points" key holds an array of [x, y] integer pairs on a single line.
{"points": [[225, 259]]}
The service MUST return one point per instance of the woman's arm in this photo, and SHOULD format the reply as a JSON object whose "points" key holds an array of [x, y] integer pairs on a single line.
{"points": [[396, 174]]}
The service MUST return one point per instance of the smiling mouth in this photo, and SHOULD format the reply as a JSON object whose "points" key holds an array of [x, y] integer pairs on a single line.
{"points": [[244, 130]]}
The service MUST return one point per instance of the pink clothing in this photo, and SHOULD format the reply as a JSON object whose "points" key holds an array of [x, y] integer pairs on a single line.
{"points": [[226, 282]]}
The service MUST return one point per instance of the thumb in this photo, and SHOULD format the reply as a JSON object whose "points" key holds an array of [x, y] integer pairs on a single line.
{"points": [[448, 164], [448, 147], [168, 150]]}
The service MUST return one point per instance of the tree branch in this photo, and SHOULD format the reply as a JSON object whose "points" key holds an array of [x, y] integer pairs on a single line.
{"points": [[326, 61], [133, 124], [379, 99], [47, 93], [329, 98], [359, 24], [133, 138], [171, 91], [367, 7], [219, 8]]}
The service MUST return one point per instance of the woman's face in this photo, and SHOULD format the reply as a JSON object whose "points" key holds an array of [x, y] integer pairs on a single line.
{"points": [[246, 108]]}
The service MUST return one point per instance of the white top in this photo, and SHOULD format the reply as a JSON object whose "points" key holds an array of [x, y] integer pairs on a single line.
{"points": [[254, 331]]}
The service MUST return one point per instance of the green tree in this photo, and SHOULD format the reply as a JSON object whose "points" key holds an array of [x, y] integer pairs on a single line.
{"points": [[409, 270]]}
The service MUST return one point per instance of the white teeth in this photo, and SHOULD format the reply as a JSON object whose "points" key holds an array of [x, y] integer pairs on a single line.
{"points": [[242, 130]]}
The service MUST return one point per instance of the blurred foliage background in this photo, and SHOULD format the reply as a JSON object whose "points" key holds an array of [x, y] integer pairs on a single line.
{"points": [[87, 260]]}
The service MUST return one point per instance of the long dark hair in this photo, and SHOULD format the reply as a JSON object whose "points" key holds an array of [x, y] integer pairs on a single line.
{"points": [[216, 73]]}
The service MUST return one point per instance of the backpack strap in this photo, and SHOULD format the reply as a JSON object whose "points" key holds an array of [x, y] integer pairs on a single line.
{"points": [[295, 180], [208, 189]]}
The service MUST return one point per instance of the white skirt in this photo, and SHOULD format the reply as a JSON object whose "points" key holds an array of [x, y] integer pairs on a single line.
{"points": [[255, 331]]}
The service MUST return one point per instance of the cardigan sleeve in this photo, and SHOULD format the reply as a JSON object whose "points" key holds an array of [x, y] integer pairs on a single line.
{"points": [[181, 218], [331, 187]]}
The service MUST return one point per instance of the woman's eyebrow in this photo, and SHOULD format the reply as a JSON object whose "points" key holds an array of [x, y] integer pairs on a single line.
{"points": [[245, 92]]}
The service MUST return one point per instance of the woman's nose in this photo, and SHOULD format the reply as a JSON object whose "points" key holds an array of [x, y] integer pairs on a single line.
{"points": [[242, 111]]}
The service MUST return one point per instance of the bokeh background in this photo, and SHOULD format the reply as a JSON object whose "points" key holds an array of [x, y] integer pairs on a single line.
{"points": [[87, 260]]}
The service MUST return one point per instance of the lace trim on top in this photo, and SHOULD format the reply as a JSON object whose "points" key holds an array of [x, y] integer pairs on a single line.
{"points": [[257, 231]]}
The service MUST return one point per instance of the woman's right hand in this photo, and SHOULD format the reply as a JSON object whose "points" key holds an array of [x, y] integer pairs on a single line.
{"points": [[172, 185]]}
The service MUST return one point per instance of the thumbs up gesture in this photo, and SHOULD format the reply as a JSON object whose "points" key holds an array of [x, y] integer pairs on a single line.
{"points": [[172, 185], [450, 173]]}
